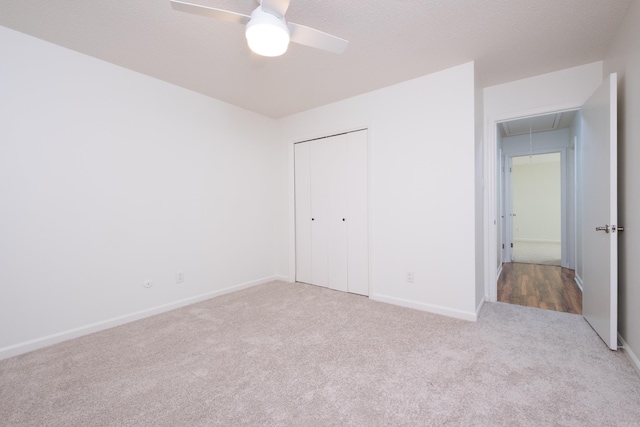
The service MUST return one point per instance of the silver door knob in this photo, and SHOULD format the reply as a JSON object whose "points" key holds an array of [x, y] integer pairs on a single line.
{"points": [[605, 228]]}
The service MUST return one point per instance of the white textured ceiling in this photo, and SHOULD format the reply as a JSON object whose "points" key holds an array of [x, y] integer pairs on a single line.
{"points": [[390, 41]]}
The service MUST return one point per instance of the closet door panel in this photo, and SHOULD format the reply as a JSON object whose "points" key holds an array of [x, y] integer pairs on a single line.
{"points": [[358, 224], [319, 161], [337, 216], [303, 212]]}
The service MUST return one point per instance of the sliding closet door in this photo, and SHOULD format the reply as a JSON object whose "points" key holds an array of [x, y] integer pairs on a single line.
{"points": [[302, 168], [337, 215], [319, 156], [357, 214]]}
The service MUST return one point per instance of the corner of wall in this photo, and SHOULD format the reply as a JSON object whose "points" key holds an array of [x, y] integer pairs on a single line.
{"points": [[481, 288]]}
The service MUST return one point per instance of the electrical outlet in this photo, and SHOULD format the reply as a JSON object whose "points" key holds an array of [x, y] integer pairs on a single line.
{"points": [[410, 277], [179, 277], [148, 283]]}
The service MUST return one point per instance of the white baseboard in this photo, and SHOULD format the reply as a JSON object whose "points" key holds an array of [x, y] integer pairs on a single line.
{"points": [[578, 281], [635, 362], [479, 307], [38, 343], [445, 311]]}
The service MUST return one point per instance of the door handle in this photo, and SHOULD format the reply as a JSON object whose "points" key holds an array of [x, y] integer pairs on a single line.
{"points": [[605, 228]]}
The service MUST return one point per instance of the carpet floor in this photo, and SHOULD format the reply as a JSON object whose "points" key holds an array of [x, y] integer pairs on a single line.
{"points": [[295, 354]]}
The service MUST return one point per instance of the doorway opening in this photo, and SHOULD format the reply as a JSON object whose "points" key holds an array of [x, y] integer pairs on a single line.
{"points": [[537, 234], [536, 209], [593, 148]]}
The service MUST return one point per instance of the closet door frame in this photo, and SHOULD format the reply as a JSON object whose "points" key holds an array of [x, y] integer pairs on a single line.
{"points": [[364, 286]]}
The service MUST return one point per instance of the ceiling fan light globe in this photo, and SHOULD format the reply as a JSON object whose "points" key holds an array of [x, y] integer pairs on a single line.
{"points": [[266, 34]]}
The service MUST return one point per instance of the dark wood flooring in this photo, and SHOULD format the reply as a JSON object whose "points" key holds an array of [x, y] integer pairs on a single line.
{"points": [[543, 286]]}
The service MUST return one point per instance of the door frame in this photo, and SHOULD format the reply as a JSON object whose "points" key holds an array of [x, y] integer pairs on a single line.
{"points": [[507, 203], [490, 209]]}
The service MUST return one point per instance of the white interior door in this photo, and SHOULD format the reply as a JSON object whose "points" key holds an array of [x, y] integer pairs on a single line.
{"points": [[600, 210], [508, 212], [303, 212], [357, 214], [337, 211], [319, 155]]}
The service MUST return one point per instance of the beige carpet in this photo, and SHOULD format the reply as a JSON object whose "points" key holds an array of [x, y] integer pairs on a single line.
{"points": [[294, 354]]}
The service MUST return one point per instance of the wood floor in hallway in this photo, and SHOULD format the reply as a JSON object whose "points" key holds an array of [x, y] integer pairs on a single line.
{"points": [[543, 286]]}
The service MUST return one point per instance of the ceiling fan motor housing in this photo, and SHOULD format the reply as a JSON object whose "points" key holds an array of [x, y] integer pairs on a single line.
{"points": [[267, 34]]}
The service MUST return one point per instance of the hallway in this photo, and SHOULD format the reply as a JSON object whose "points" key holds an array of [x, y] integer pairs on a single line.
{"points": [[542, 286]]}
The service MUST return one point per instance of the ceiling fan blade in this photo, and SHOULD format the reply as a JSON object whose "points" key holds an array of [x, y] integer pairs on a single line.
{"points": [[210, 12], [316, 38], [278, 6]]}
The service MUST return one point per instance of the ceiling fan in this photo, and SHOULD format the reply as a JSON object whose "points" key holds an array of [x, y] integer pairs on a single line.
{"points": [[267, 31]]}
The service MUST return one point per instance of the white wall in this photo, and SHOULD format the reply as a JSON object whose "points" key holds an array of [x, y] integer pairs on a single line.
{"points": [[557, 91], [536, 200], [422, 174], [109, 178], [623, 57]]}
